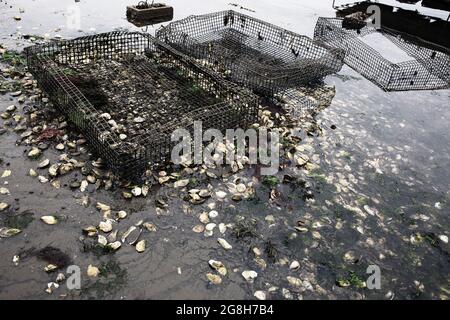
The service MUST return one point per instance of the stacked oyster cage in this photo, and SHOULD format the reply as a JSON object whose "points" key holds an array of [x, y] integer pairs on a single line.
{"points": [[127, 92], [251, 52], [427, 67]]}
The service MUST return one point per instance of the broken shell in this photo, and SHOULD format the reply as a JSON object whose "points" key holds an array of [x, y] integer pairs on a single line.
{"points": [[214, 278], [44, 164], [6, 233], [136, 191], [61, 277], [92, 271], [218, 266], [60, 146], [84, 184], [140, 246], [115, 245], [210, 226], [181, 183], [260, 295], [103, 207], [6, 173], [102, 240], [50, 268], [42, 179], [249, 275], [128, 233], [224, 244], [34, 153], [149, 226], [3, 206], [198, 228], [204, 218], [295, 265], [4, 191], [213, 214], [50, 220], [106, 226], [121, 214], [241, 188], [221, 194], [33, 173], [222, 228], [296, 282]]}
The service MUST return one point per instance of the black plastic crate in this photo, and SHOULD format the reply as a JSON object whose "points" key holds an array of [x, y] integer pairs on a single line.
{"points": [[251, 52], [427, 66], [127, 92]]}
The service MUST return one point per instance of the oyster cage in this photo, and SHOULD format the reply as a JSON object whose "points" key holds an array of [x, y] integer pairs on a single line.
{"points": [[424, 68], [251, 52], [127, 92]]}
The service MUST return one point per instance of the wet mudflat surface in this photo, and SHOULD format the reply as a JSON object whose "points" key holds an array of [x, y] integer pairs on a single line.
{"points": [[373, 190]]}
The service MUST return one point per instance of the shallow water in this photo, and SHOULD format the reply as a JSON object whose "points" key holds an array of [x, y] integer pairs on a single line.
{"points": [[383, 177]]}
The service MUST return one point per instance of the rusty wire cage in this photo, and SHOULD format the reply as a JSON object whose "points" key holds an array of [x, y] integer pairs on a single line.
{"points": [[127, 92], [251, 52], [425, 68]]}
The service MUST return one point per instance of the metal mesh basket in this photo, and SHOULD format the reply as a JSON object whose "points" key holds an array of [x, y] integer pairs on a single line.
{"points": [[426, 68], [127, 92], [252, 52]]}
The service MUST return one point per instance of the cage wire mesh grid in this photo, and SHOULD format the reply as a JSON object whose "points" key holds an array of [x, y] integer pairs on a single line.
{"points": [[251, 52], [426, 68], [127, 92]]}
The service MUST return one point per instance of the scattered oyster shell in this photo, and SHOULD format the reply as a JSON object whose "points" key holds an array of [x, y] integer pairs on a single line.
{"points": [[249, 275], [50, 220], [293, 281], [102, 240], [260, 295], [3, 206], [44, 164], [221, 194], [6, 233], [4, 191], [224, 244], [181, 183], [115, 245], [204, 218], [213, 214], [218, 266], [106, 226], [140, 246], [149, 226], [214, 278], [198, 228], [6, 173], [92, 271], [34, 153], [136, 191], [50, 268], [295, 265], [121, 214]]}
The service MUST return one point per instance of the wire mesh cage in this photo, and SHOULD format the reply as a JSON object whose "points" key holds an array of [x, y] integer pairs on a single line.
{"points": [[127, 92], [421, 67], [251, 52]]}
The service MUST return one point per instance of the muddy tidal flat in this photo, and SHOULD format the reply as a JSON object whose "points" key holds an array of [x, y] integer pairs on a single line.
{"points": [[363, 181]]}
